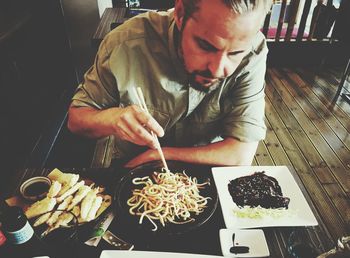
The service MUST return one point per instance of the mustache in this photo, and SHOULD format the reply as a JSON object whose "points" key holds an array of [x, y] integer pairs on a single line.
{"points": [[207, 73]]}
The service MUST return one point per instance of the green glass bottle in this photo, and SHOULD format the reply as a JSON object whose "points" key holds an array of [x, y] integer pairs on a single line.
{"points": [[21, 239]]}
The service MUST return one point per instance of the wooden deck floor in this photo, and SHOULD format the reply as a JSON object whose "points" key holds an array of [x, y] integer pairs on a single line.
{"points": [[310, 134]]}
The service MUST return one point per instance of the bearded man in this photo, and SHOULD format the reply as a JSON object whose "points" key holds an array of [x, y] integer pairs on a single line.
{"points": [[201, 69]]}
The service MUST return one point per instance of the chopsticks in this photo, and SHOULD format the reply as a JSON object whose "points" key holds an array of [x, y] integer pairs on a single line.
{"points": [[141, 102]]}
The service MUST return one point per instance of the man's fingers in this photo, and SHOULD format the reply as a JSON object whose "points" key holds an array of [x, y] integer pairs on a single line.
{"points": [[149, 122], [143, 136], [134, 131], [139, 137], [136, 125]]}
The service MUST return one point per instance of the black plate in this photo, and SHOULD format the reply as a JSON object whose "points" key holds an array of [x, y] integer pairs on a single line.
{"points": [[124, 192]]}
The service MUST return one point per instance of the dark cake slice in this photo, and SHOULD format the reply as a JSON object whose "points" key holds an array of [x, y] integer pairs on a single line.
{"points": [[257, 189]]}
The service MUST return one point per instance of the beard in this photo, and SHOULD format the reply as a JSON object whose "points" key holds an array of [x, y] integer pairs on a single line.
{"points": [[200, 86], [196, 85]]}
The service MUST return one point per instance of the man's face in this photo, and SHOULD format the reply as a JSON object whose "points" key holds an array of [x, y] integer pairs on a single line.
{"points": [[214, 40]]}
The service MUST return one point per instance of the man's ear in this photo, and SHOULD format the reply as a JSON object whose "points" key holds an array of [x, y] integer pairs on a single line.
{"points": [[179, 13]]}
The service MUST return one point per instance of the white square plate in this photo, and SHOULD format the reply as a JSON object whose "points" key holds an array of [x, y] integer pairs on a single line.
{"points": [[253, 238], [146, 254], [298, 213]]}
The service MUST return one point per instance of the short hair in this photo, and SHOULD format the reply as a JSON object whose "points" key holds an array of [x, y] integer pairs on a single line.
{"points": [[245, 6], [237, 6]]}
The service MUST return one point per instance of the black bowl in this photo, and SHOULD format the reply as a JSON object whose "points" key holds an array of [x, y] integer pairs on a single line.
{"points": [[131, 222]]}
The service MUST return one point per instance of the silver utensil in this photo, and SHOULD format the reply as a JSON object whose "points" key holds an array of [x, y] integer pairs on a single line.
{"points": [[112, 239]]}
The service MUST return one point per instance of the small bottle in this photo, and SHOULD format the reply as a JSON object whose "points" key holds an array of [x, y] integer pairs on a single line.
{"points": [[21, 240], [16, 226], [2, 238]]}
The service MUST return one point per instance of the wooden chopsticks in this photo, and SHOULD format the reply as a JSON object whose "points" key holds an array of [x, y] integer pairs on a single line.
{"points": [[141, 102]]}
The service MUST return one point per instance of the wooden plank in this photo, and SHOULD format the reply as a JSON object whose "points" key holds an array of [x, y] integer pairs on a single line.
{"points": [[342, 103], [292, 18], [323, 88], [263, 157], [340, 200], [254, 163], [275, 113], [282, 133], [303, 20], [320, 106], [303, 143], [329, 76], [286, 109], [320, 109], [333, 76], [275, 147], [281, 19], [332, 152], [341, 172], [313, 187], [327, 79]]}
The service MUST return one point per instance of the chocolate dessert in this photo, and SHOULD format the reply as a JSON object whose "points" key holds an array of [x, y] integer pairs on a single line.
{"points": [[257, 189]]}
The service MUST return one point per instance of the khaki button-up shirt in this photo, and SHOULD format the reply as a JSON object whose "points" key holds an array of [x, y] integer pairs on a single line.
{"points": [[141, 53]]}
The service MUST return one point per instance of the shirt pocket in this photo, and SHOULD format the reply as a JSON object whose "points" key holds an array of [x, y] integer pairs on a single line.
{"points": [[194, 133], [212, 111], [161, 117], [207, 122], [202, 127]]}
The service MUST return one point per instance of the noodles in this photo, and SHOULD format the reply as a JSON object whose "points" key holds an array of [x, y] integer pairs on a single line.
{"points": [[169, 197]]}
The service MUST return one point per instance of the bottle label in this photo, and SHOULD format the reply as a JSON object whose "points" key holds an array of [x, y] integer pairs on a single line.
{"points": [[21, 236]]}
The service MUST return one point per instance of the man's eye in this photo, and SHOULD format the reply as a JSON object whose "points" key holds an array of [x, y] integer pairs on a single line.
{"points": [[205, 45], [236, 54]]}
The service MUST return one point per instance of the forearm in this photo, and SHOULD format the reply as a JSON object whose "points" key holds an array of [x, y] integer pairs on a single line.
{"points": [[90, 122], [129, 124], [227, 152]]}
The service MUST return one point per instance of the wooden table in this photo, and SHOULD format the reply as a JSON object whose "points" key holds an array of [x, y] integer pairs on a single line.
{"points": [[205, 239]]}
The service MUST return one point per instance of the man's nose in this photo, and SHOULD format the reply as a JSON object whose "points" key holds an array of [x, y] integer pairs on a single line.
{"points": [[220, 66]]}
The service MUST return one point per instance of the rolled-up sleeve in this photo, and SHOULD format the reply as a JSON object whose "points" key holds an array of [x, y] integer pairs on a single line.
{"points": [[99, 86], [245, 120]]}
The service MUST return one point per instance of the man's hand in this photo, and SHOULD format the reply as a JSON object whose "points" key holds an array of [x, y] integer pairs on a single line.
{"points": [[130, 123], [134, 125]]}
